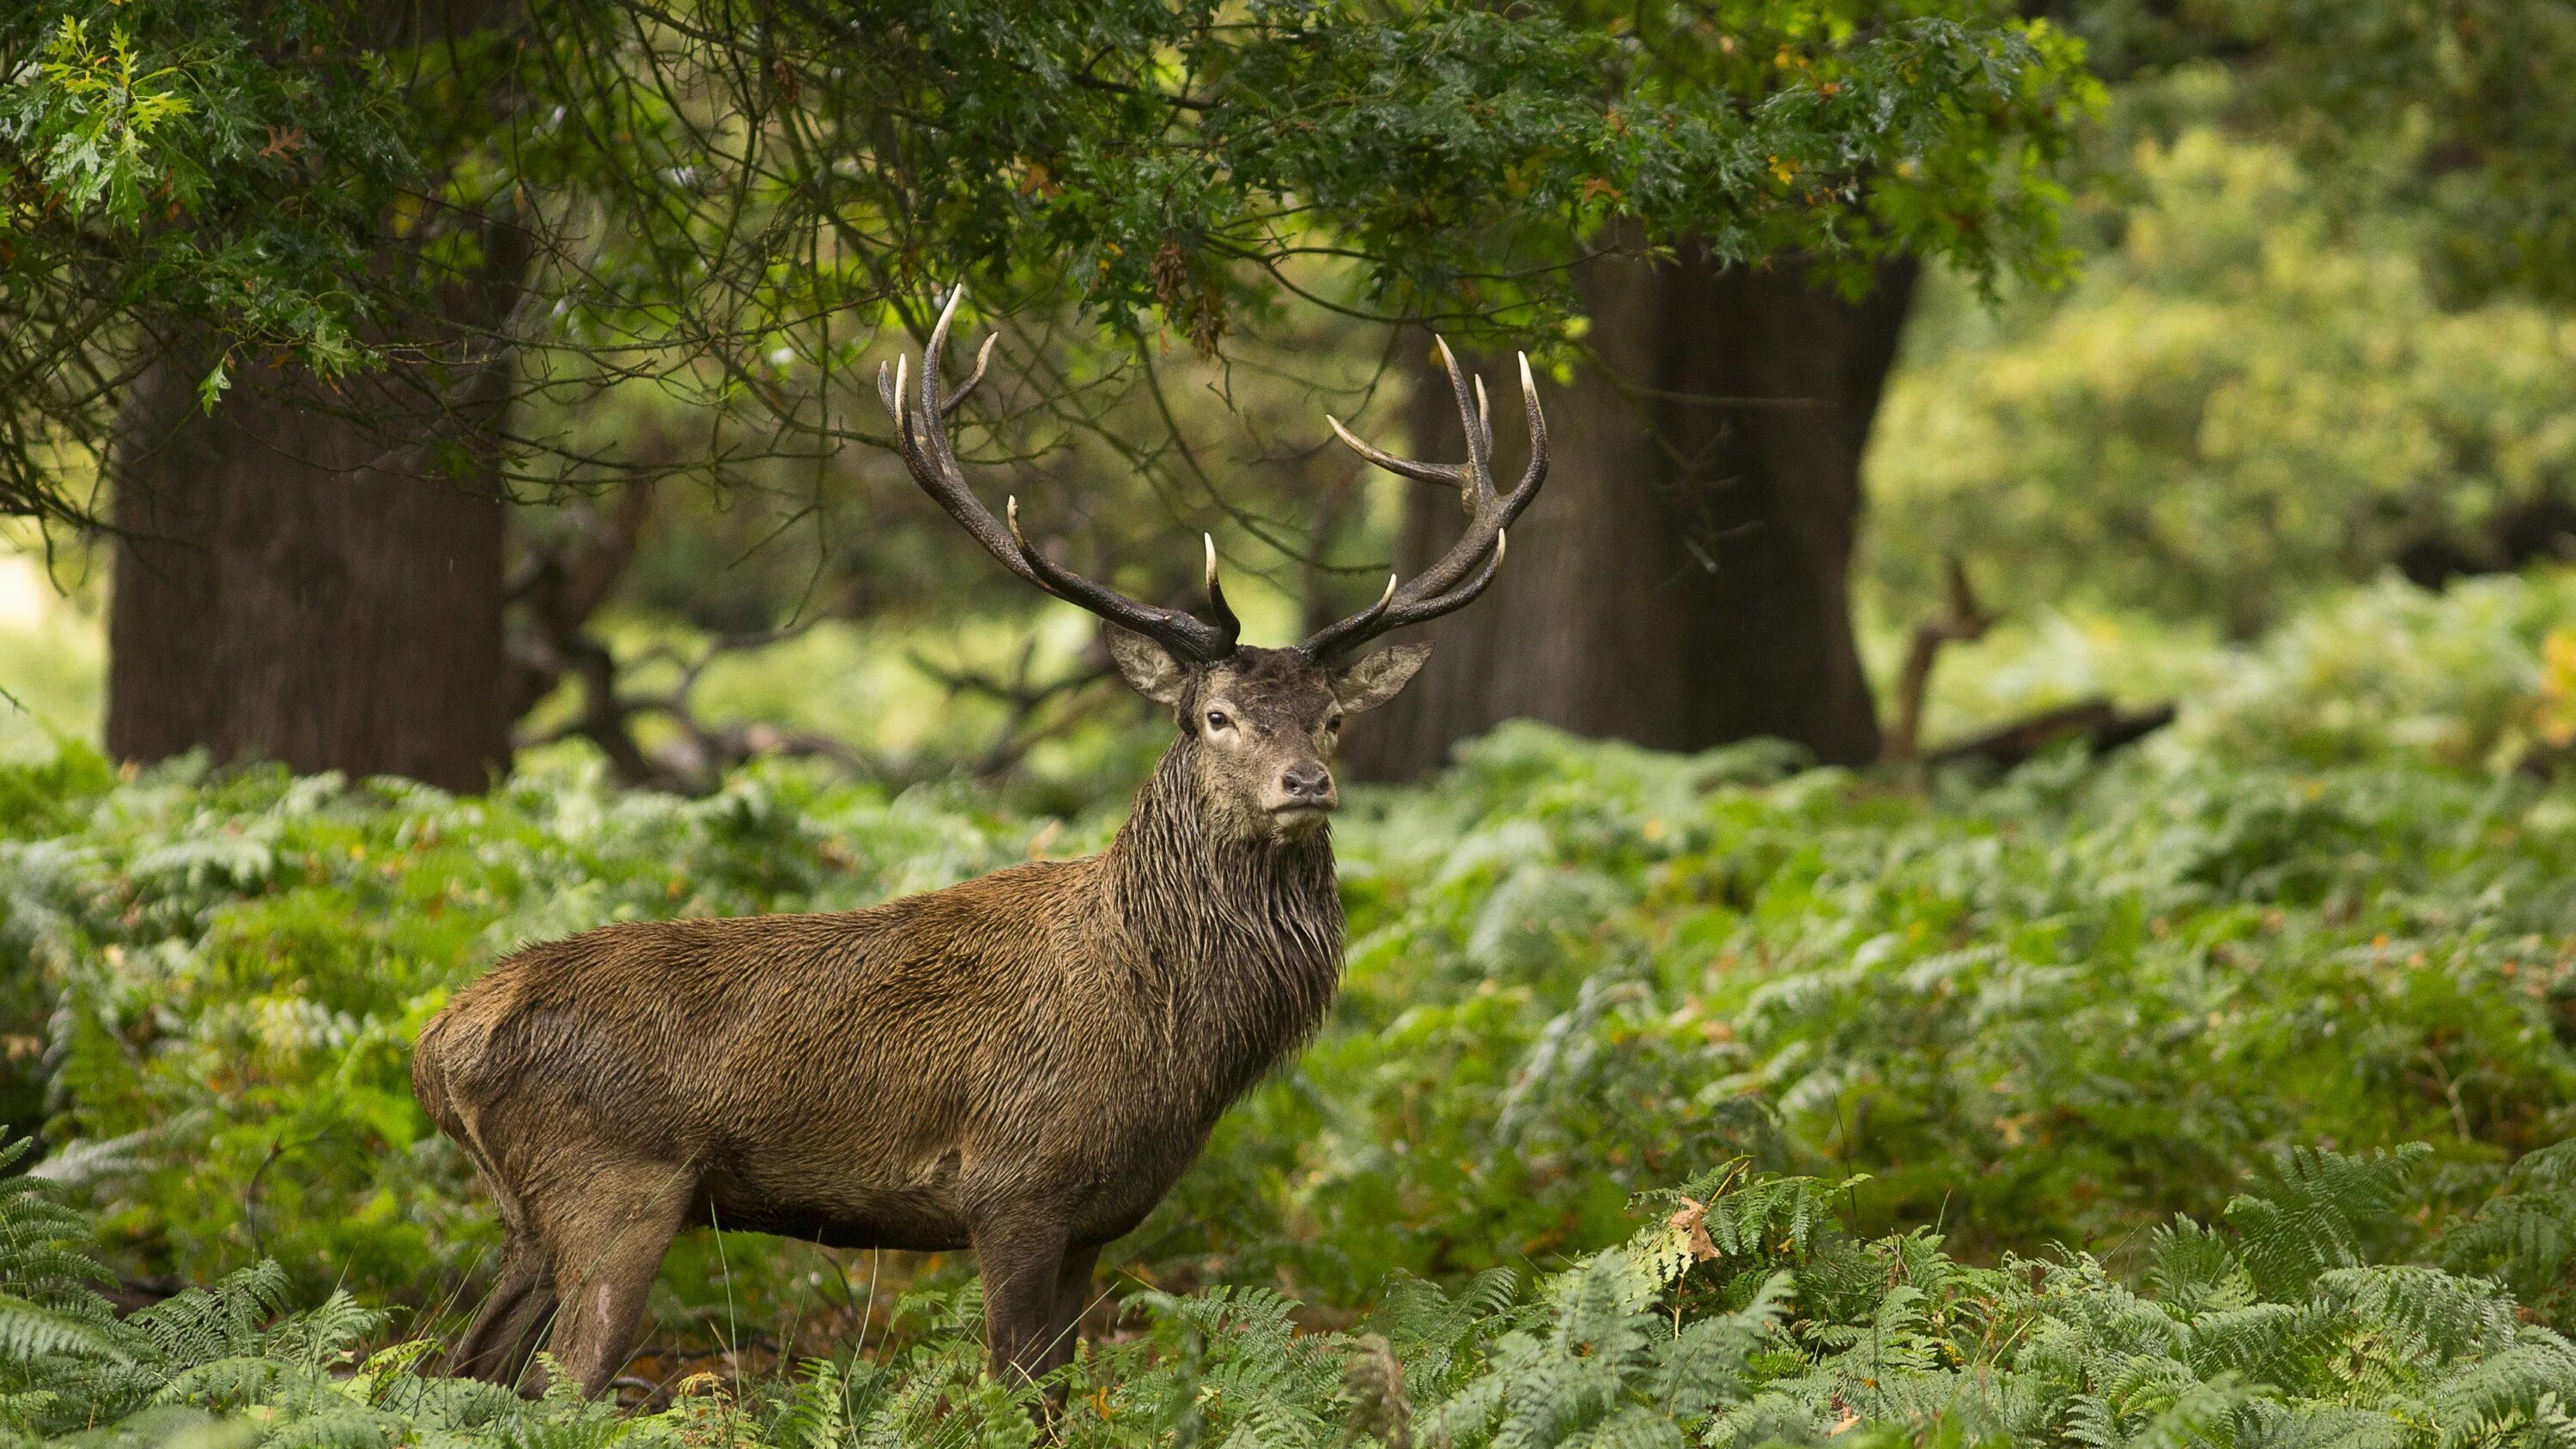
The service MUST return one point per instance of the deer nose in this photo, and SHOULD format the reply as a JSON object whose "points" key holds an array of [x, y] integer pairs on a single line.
{"points": [[1307, 783]]}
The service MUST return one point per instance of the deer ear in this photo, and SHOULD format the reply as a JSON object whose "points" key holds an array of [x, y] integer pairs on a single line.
{"points": [[1155, 673], [1374, 680]]}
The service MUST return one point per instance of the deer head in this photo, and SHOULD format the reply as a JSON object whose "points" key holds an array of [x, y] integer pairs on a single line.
{"points": [[1262, 726]]}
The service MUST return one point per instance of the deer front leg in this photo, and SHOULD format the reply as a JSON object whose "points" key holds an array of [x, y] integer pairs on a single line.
{"points": [[1022, 1264], [1072, 1296]]}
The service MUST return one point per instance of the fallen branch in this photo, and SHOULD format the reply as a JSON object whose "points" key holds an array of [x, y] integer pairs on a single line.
{"points": [[2098, 722]]}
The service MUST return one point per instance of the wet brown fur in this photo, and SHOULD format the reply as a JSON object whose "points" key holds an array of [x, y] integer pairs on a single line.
{"points": [[1022, 1064]]}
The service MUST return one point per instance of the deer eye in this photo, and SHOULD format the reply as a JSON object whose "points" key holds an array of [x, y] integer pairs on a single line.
{"points": [[1333, 725], [1217, 720]]}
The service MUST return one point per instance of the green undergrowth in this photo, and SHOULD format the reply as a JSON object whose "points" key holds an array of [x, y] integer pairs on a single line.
{"points": [[1743, 1313], [2057, 1009], [2333, 913], [2054, 1010]]}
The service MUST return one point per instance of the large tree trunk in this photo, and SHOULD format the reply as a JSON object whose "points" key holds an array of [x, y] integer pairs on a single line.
{"points": [[1683, 580], [314, 576], [291, 585]]}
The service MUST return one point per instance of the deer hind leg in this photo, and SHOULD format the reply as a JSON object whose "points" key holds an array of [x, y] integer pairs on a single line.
{"points": [[514, 1317], [513, 1321], [606, 1246]]}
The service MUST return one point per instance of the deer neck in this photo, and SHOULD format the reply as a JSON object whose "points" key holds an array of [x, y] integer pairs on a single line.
{"points": [[1241, 939]]}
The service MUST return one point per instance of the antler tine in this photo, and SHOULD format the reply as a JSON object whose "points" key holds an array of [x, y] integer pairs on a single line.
{"points": [[933, 465], [934, 355], [1362, 625], [1536, 472], [1225, 620], [966, 389], [1186, 636], [1449, 475], [1487, 512], [1471, 421], [1456, 579], [922, 436]]}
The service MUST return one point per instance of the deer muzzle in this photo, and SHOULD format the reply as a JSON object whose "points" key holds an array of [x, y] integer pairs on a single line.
{"points": [[1304, 789]]}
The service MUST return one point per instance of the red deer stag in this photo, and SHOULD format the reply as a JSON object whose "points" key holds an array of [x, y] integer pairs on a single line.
{"points": [[1022, 1064]]}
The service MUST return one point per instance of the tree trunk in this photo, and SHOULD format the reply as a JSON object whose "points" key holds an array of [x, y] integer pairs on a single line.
{"points": [[289, 586], [314, 576], [1683, 580]]}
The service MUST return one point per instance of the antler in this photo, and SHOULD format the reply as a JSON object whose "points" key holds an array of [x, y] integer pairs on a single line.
{"points": [[922, 434], [1448, 584]]}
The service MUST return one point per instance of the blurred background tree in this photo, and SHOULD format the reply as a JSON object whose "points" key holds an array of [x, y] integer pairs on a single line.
{"points": [[2320, 335], [528, 208], [2251, 396], [584, 274], [2401, 226]]}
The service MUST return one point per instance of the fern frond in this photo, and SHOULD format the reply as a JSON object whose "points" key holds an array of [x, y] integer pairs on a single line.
{"points": [[2452, 1315], [2505, 1388], [2267, 1424], [814, 1412], [224, 1383], [30, 1331], [2192, 1270], [324, 1335], [2312, 1216], [202, 1325], [2202, 1413], [2252, 1341]]}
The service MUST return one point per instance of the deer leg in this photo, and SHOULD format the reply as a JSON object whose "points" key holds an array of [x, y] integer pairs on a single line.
{"points": [[506, 1332], [606, 1252], [1072, 1296], [1022, 1267]]}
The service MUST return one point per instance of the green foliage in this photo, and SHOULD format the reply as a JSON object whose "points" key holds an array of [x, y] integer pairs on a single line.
{"points": [[2052, 1011], [2522, 1237], [167, 164], [2056, 1009], [2254, 395], [2433, 108], [1678, 1336], [733, 202]]}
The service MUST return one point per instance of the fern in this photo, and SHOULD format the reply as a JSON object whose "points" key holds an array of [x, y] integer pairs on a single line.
{"points": [[204, 1325], [2193, 1270], [1775, 1217], [2318, 1212], [2506, 1390], [1432, 1331], [2060, 1011], [2453, 1316], [2525, 1236], [814, 1413]]}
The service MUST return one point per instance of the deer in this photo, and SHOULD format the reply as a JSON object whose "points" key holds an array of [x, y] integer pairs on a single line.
{"points": [[1022, 1064]]}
